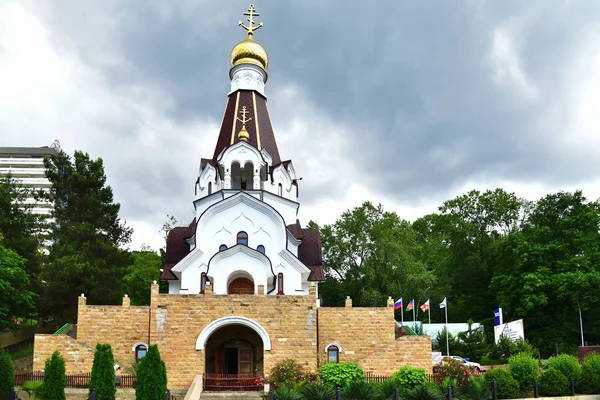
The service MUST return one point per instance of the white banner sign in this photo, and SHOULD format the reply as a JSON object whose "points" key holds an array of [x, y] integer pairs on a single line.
{"points": [[513, 330]]}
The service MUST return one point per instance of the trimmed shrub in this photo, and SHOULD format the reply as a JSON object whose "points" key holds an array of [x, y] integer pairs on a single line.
{"points": [[151, 376], [524, 369], [341, 374], [566, 364], [553, 383], [409, 376], [507, 386], [102, 378], [7, 380], [318, 391], [290, 373], [589, 381], [360, 391], [55, 380]]}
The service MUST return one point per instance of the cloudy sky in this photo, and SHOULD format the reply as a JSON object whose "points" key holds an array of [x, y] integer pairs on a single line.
{"points": [[406, 103]]}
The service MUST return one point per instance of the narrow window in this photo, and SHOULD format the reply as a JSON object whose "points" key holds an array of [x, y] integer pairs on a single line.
{"points": [[223, 247], [280, 283], [242, 238], [333, 354], [202, 282], [261, 249], [280, 189], [209, 188], [140, 351]]}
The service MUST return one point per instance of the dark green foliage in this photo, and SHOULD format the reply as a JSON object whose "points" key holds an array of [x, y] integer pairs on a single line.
{"points": [[318, 391], [103, 373], [55, 380], [409, 376], [566, 364], [87, 233], [33, 388], [341, 374], [281, 393], [439, 342], [145, 269], [7, 381], [151, 376], [471, 343], [524, 369], [553, 383], [477, 389], [360, 391], [387, 388], [589, 382], [507, 386], [506, 348], [449, 382], [16, 298], [423, 392]]}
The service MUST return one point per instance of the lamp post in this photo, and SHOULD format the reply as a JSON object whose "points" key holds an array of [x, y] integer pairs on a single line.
{"points": [[580, 323]]}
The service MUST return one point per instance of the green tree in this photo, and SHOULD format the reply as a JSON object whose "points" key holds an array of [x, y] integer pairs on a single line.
{"points": [[103, 373], [145, 269], [550, 268], [370, 254], [7, 381], [55, 380], [13, 287], [85, 256], [151, 376]]}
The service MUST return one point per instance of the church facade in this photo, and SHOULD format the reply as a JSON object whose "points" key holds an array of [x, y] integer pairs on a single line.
{"points": [[243, 277]]}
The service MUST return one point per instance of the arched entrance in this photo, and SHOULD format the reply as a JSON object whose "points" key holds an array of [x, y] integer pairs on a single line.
{"points": [[233, 353], [241, 286]]}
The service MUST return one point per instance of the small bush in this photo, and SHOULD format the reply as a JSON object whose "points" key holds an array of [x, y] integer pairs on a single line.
{"points": [[341, 374], [290, 373], [102, 378], [524, 369], [477, 389], [589, 381], [318, 391], [33, 388], [286, 393], [423, 392], [454, 370], [409, 376], [151, 376], [387, 388], [507, 386], [506, 348], [7, 380], [360, 391], [553, 383], [566, 364], [55, 380]]}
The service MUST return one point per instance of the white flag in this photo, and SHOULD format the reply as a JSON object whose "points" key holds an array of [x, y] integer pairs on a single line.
{"points": [[443, 303]]}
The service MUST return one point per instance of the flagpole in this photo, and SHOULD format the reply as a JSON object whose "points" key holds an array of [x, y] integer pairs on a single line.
{"points": [[446, 312], [402, 311], [429, 312], [414, 321]]}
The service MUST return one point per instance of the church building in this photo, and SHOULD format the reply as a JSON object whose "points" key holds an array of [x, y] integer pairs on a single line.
{"points": [[243, 277]]}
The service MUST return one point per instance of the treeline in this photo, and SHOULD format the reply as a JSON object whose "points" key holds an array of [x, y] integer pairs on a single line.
{"points": [[537, 260], [45, 263]]}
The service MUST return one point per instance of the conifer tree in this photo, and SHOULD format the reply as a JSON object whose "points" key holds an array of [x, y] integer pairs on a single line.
{"points": [[87, 233], [151, 377], [103, 373], [7, 381], [55, 380]]}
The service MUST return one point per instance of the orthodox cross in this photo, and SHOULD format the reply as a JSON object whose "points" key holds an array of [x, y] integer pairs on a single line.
{"points": [[243, 120], [251, 13]]}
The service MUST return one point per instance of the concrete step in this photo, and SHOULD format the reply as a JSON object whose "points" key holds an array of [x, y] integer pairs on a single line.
{"points": [[231, 395]]}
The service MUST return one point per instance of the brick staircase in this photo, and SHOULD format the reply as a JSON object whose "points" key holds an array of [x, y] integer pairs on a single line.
{"points": [[231, 395]]}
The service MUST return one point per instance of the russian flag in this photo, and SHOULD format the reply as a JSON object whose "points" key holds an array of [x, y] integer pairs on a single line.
{"points": [[398, 304]]}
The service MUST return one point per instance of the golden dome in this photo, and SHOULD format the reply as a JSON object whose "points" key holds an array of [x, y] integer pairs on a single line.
{"points": [[249, 52]]}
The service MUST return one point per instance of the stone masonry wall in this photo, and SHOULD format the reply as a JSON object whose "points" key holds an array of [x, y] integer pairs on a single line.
{"points": [[78, 357], [120, 326], [366, 336], [178, 320]]}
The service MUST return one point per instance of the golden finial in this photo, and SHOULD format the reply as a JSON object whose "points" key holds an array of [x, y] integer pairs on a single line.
{"points": [[243, 133], [251, 13]]}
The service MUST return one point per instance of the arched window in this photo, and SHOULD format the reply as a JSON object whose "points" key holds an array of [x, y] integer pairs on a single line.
{"points": [[280, 189], [242, 238], [261, 248], [333, 354], [209, 187], [280, 283], [202, 282], [223, 247], [140, 351]]}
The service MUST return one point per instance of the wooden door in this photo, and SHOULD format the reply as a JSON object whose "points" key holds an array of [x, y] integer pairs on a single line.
{"points": [[241, 286], [245, 367], [219, 360]]}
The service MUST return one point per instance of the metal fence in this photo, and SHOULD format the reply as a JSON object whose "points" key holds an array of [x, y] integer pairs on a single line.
{"points": [[76, 381], [232, 382]]}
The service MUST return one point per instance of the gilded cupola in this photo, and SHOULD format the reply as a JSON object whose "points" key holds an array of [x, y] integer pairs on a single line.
{"points": [[248, 51]]}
